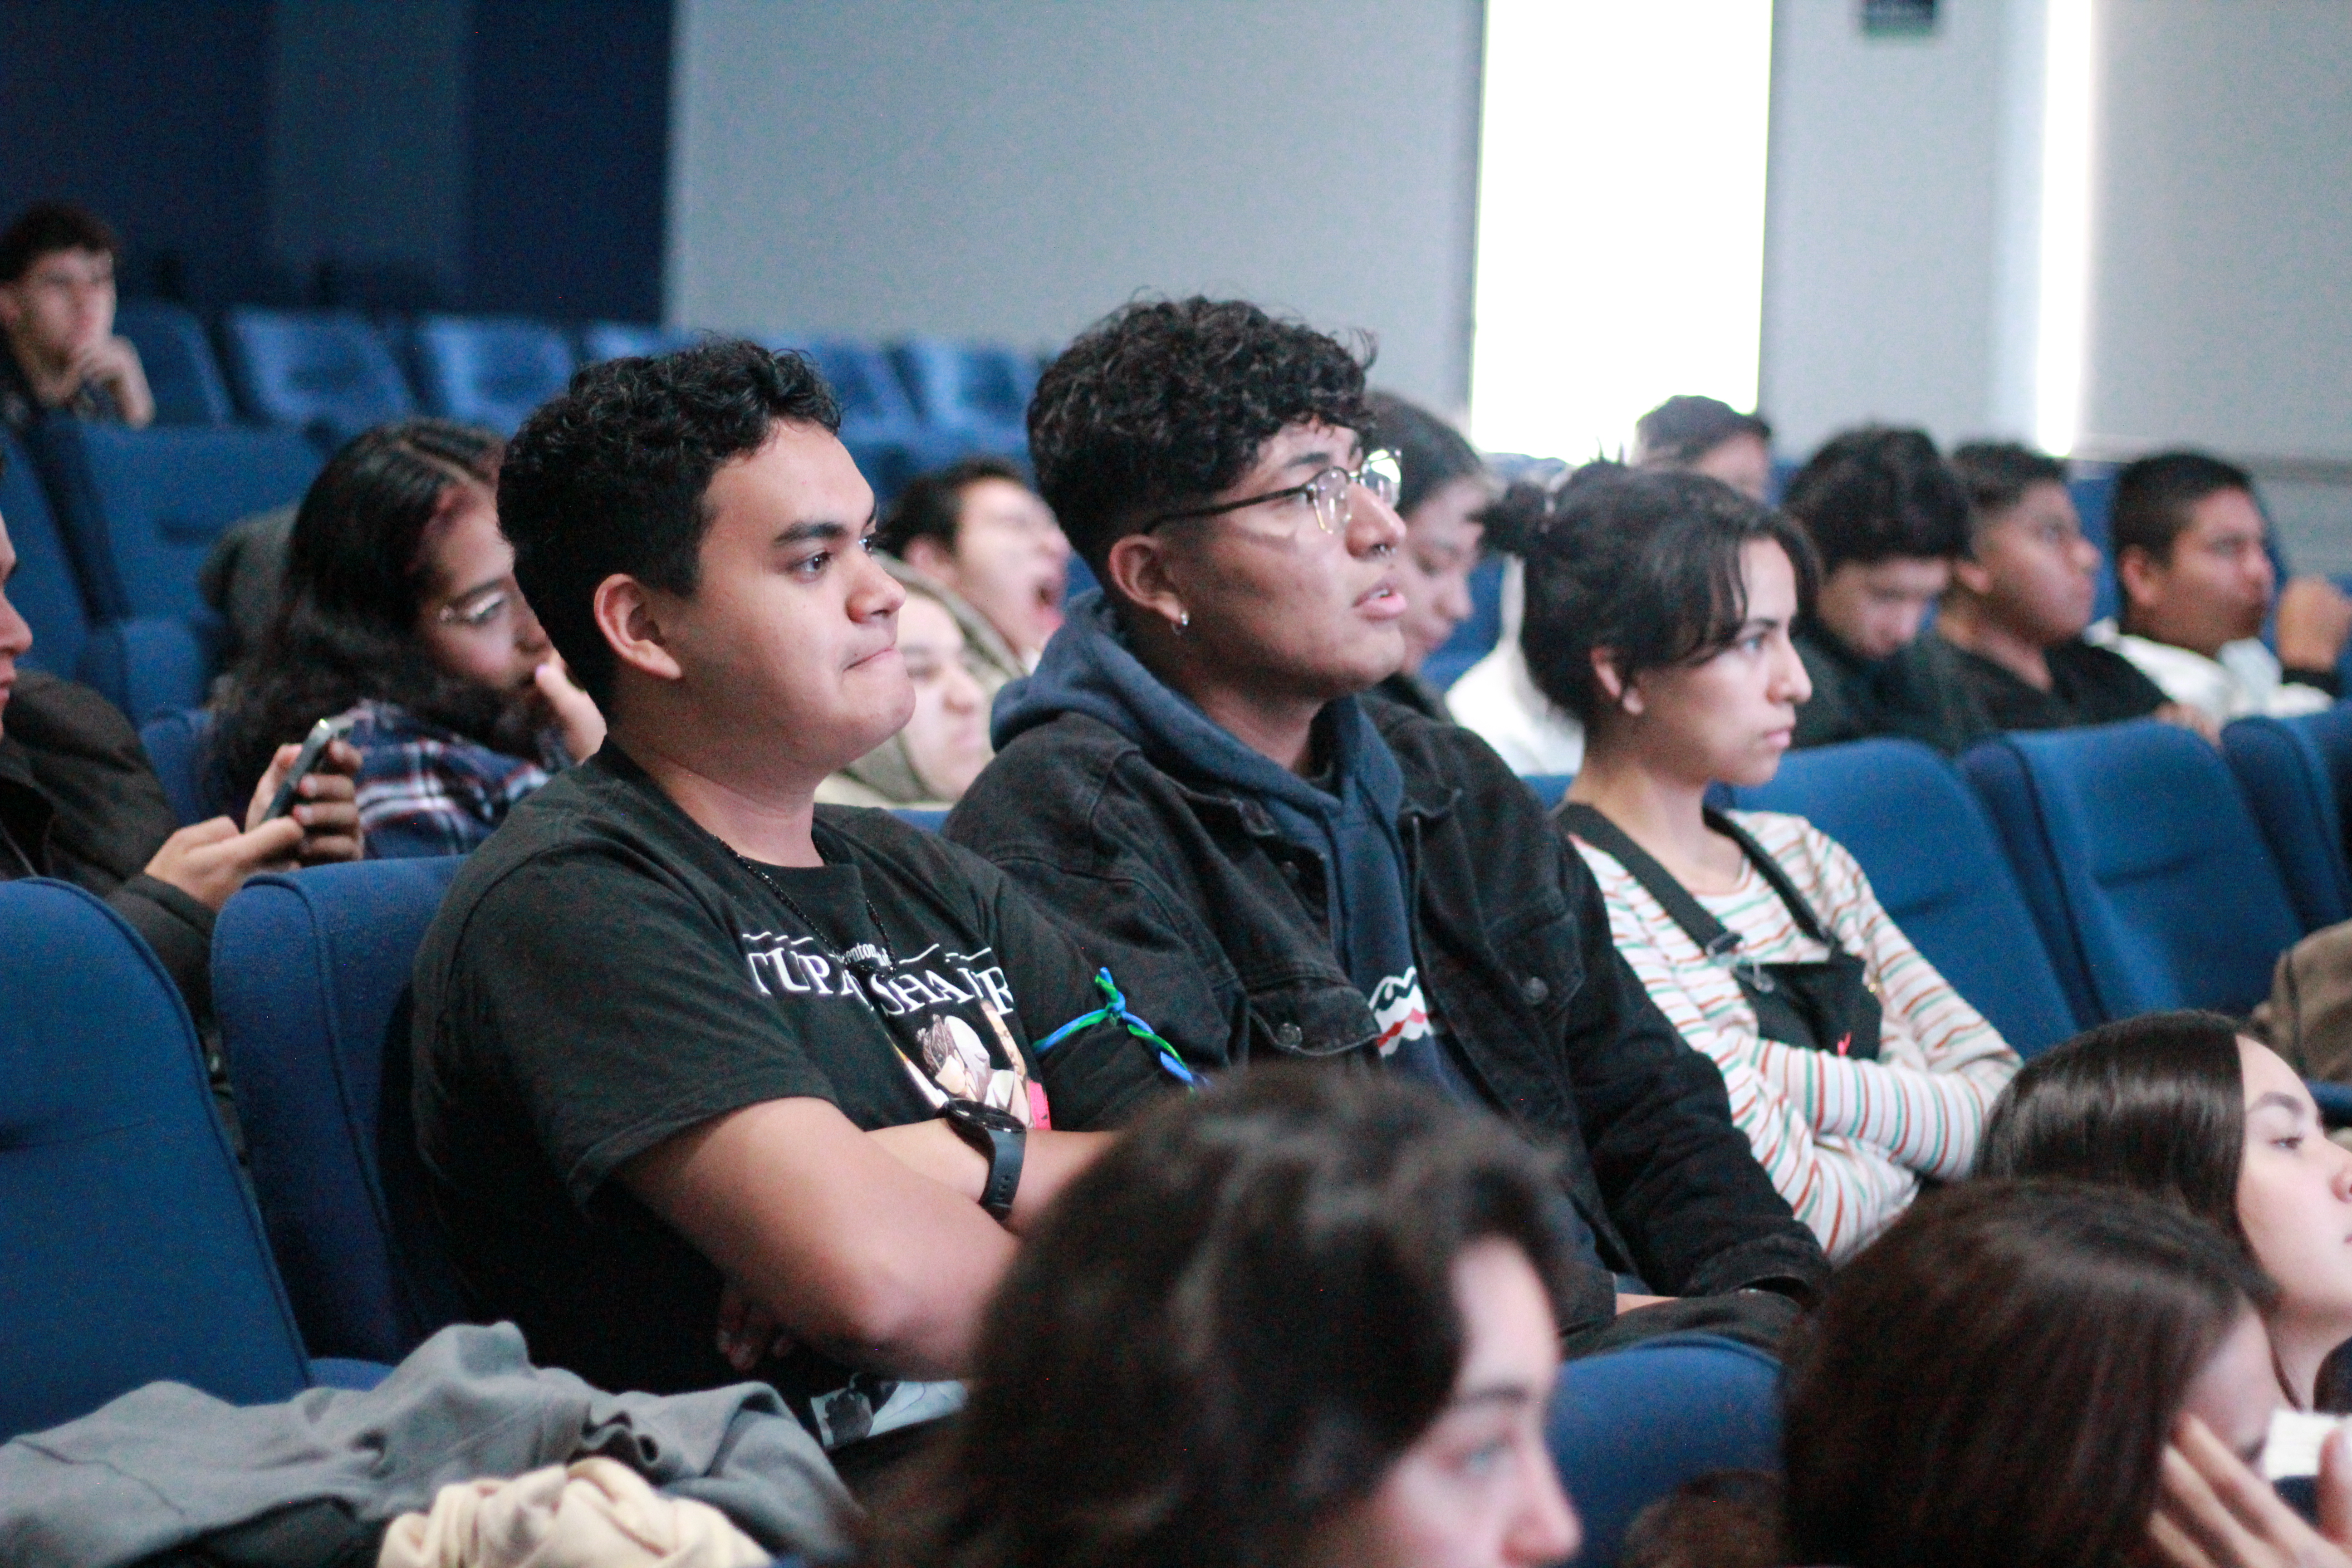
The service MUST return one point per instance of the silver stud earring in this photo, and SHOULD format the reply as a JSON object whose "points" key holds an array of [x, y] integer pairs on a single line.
{"points": [[1183, 622]]}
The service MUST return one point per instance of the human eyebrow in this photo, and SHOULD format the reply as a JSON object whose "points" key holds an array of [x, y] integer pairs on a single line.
{"points": [[2277, 1099], [1507, 1394], [803, 533]]}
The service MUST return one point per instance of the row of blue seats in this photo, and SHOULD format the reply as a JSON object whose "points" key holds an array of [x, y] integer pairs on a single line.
{"points": [[2064, 879], [136, 1252], [340, 372]]}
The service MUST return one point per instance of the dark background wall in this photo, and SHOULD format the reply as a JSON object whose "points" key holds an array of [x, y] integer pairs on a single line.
{"points": [[468, 154]]}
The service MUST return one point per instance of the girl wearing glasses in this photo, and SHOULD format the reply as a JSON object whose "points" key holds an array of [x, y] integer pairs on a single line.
{"points": [[399, 612]]}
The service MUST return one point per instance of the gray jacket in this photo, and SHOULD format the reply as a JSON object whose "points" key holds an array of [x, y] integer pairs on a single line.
{"points": [[165, 1465]]}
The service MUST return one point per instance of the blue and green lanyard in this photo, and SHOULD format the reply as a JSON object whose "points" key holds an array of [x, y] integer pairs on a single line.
{"points": [[1115, 1010]]}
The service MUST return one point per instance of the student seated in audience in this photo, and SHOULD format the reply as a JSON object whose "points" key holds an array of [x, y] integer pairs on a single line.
{"points": [[2039, 1375], [976, 529], [2022, 596], [1658, 610], [2185, 1107], [1441, 488], [399, 615], [1498, 700], [1707, 436], [931, 762], [1309, 1318], [57, 314], [681, 1034], [1192, 786], [1888, 518], [2192, 558], [80, 802]]}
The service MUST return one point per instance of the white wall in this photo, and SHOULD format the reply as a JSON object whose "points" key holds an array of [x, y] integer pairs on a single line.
{"points": [[1015, 170]]}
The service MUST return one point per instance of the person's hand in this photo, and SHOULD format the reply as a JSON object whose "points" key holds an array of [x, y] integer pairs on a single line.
{"points": [[114, 363], [2314, 618], [748, 1333], [2211, 1511], [577, 716], [2189, 716], [212, 860], [325, 802]]}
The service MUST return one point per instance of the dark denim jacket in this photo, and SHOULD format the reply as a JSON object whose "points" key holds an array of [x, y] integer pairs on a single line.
{"points": [[1211, 920]]}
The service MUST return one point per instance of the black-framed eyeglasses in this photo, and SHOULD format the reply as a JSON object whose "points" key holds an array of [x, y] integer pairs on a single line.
{"points": [[1326, 495]]}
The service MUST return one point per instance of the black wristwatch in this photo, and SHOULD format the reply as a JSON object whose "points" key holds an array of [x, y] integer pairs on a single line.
{"points": [[1000, 1135]]}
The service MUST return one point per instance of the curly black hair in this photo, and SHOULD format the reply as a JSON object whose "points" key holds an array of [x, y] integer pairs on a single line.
{"points": [[1874, 493], [1164, 403], [611, 476], [1643, 561]]}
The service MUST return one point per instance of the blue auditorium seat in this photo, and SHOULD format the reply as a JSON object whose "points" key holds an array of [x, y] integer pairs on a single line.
{"points": [[489, 370], [980, 391], [1475, 638], [131, 1250], [138, 664], [330, 372], [2151, 883], [178, 358], [178, 745], [929, 821], [601, 341], [1630, 1426], [874, 402], [1932, 858], [310, 974], [140, 509], [2092, 488], [2291, 771]]}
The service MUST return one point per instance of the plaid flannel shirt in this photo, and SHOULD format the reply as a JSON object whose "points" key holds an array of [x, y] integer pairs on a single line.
{"points": [[424, 790]]}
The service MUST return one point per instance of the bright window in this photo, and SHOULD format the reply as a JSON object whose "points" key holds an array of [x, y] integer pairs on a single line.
{"points": [[1621, 216]]}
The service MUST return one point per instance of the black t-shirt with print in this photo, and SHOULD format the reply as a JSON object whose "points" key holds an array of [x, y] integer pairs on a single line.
{"points": [[606, 975]]}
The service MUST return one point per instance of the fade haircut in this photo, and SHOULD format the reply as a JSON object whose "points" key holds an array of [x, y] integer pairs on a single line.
{"points": [[1644, 562], [1165, 402], [931, 506], [1877, 493], [613, 477], [2154, 496], [47, 228], [1996, 475]]}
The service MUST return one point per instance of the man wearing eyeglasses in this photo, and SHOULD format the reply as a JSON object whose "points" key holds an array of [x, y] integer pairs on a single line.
{"points": [[1293, 870]]}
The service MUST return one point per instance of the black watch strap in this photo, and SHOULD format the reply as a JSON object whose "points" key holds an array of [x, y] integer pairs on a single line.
{"points": [[1002, 1140]]}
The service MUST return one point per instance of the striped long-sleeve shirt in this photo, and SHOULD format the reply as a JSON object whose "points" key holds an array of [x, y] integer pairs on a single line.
{"points": [[1845, 1141]]}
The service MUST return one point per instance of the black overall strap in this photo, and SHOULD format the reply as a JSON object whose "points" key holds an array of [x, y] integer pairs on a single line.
{"points": [[1588, 824]]}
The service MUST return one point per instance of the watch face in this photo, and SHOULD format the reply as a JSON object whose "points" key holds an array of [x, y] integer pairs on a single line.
{"points": [[973, 1113]]}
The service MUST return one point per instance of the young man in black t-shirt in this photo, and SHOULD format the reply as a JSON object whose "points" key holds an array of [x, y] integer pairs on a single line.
{"points": [[691, 1049]]}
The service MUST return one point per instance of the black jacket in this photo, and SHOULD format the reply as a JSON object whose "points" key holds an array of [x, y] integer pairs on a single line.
{"points": [[80, 802], [1918, 693], [1211, 920]]}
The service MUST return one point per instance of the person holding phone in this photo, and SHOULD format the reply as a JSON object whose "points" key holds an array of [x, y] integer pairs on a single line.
{"points": [[79, 802], [399, 617]]}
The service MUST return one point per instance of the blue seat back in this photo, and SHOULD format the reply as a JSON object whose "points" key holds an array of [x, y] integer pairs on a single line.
{"points": [[980, 389], [1629, 1427], [310, 976], [178, 358], [490, 370], [150, 664], [179, 747], [128, 1250], [2142, 865], [1937, 868], [329, 371], [2285, 770], [929, 820], [1475, 638], [601, 341], [45, 590], [142, 507], [2092, 488], [874, 404]]}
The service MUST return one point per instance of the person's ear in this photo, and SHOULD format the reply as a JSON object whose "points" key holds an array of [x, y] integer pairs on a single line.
{"points": [[1141, 569], [1971, 575], [12, 307], [931, 558], [1622, 694], [630, 620], [2139, 577]]}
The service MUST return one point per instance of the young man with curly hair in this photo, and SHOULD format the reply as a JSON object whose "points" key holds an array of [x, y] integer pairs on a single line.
{"points": [[1291, 870], [695, 1057]]}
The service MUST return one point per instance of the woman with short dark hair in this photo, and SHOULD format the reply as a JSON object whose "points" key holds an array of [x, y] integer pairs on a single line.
{"points": [[1659, 609], [399, 614], [1307, 1318], [2185, 1108]]}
